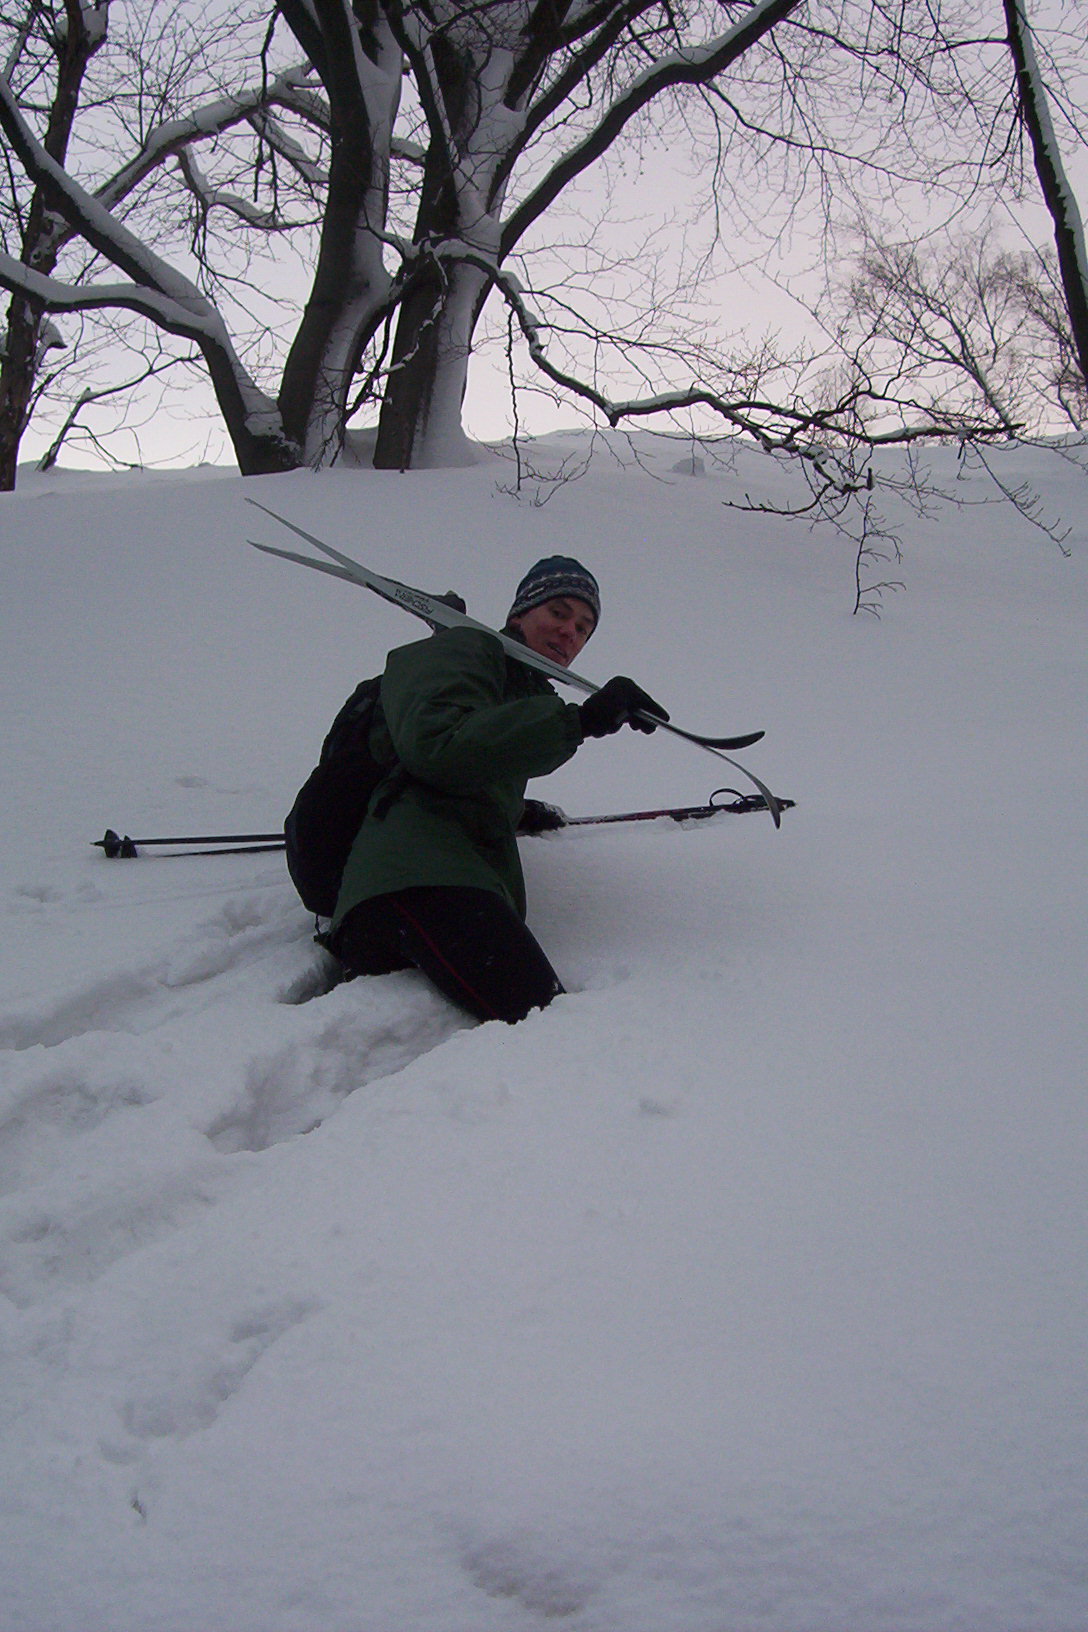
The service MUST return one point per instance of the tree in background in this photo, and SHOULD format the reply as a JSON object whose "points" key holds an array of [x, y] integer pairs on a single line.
{"points": [[320, 196], [957, 327], [100, 178], [1033, 107], [957, 323], [49, 54]]}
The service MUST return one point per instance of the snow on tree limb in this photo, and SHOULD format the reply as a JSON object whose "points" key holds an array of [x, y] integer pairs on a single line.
{"points": [[157, 290], [134, 297], [775, 427], [276, 139], [213, 119], [88, 216], [211, 197]]}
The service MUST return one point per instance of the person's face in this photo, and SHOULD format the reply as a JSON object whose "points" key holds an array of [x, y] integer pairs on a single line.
{"points": [[557, 629]]}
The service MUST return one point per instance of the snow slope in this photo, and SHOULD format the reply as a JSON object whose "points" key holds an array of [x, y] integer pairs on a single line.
{"points": [[742, 1289]]}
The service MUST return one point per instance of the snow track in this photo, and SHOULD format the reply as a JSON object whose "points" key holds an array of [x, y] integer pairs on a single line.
{"points": [[135, 1083]]}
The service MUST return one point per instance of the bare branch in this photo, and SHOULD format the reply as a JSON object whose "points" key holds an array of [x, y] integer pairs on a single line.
{"points": [[694, 67]]}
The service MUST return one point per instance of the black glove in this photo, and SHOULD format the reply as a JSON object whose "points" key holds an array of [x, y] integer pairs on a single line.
{"points": [[615, 705], [537, 817], [452, 599]]}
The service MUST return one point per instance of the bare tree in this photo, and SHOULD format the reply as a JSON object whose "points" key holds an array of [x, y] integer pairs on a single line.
{"points": [[114, 381], [409, 155], [942, 324], [1057, 190], [1037, 282], [132, 198], [964, 330], [50, 52]]}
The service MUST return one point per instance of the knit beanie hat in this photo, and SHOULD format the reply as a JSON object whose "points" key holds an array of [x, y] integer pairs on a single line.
{"points": [[554, 576]]}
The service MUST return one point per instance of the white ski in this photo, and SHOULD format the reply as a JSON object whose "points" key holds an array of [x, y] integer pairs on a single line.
{"points": [[435, 612]]}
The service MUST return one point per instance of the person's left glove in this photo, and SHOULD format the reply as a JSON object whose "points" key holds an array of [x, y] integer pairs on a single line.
{"points": [[617, 703], [537, 817]]}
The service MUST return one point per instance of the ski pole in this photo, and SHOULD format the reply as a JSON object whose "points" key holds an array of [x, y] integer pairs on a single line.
{"points": [[124, 848], [114, 845]]}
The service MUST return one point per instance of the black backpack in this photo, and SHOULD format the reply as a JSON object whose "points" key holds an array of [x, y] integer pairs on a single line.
{"points": [[321, 827]]}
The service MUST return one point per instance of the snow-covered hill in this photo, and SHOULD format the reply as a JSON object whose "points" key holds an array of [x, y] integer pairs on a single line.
{"points": [[742, 1289]]}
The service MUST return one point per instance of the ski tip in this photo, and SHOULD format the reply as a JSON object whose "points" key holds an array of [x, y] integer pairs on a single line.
{"points": [[733, 742]]}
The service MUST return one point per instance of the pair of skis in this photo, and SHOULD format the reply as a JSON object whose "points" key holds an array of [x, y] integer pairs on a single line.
{"points": [[118, 847], [437, 613]]}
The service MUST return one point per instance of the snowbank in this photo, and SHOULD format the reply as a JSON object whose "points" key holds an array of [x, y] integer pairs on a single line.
{"points": [[743, 1288]]}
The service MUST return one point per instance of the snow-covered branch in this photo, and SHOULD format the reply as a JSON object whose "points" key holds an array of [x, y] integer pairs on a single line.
{"points": [[88, 216], [213, 119], [156, 290], [210, 197], [808, 432], [57, 296], [313, 176]]}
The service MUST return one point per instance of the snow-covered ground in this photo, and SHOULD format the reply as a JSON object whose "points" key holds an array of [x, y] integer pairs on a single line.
{"points": [[742, 1289]]}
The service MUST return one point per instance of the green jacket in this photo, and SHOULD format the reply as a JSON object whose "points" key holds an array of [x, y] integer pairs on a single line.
{"points": [[469, 726]]}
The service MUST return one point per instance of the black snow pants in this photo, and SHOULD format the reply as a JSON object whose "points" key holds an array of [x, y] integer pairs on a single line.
{"points": [[470, 943]]}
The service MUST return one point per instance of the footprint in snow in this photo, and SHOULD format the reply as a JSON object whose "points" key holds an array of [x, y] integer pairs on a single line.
{"points": [[205, 1380], [242, 936], [377, 1027], [42, 1113], [51, 1244], [37, 897], [530, 1574], [113, 1139]]}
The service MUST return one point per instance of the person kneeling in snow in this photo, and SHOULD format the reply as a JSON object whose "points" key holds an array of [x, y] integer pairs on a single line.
{"points": [[434, 879]]}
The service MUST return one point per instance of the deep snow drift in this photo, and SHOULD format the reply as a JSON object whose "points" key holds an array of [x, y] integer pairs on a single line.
{"points": [[742, 1289]]}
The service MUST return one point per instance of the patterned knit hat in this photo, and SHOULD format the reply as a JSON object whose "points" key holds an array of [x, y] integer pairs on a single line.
{"points": [[554, 576]]}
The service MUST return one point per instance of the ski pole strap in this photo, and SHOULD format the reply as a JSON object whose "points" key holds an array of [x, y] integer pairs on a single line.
{"points": [[742, 804]]}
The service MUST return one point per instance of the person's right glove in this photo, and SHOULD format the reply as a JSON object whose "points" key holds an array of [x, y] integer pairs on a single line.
{"points": [[538, 817], [616, 704]]}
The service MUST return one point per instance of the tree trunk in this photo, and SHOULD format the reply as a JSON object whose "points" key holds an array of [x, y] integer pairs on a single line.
{"points": [[420, 422], [21, 356], [420, 425], [349, 45], [1053, 181], [349, 285], [253, 420], [17, 372]]}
